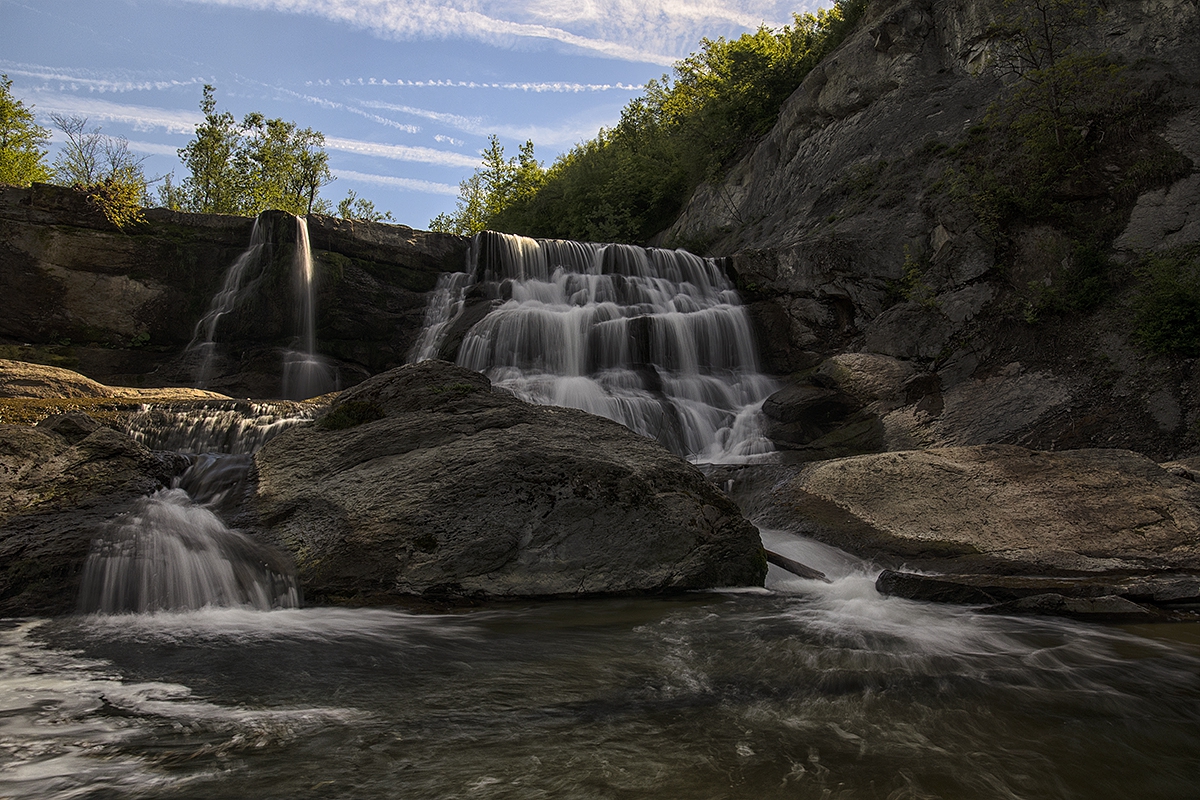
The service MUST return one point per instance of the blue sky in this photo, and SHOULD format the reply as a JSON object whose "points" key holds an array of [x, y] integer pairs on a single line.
{"points": [[406, 93]]}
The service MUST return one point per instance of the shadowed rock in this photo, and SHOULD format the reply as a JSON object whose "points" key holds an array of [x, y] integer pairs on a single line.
{"points": [[425, 481]]}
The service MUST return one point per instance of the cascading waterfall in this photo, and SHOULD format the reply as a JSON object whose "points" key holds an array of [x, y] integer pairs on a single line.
{"points": [[171, 554], [655, 339], [305, 374], [242, 276], [171, 551]]}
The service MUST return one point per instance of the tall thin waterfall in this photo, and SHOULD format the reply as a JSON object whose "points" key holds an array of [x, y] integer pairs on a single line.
{"points": [[655, 339], [240, 278], [305, 374]]}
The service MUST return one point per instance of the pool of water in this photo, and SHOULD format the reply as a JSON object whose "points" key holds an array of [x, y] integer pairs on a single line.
{"points": [[802, 690]]}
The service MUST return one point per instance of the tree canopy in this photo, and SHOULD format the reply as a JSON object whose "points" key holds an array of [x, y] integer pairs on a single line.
{"points": [[250, 167], [632, 180], [22, 141]]}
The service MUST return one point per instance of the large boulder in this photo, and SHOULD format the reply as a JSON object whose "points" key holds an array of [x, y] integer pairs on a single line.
{"points": [[60, 482], [1003, 523], [426, 481], [1003, 508]]}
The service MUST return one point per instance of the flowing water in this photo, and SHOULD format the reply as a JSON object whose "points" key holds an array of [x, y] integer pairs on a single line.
{"points": [[305, 374], [803, 691], [655, 339], [242, 278]]}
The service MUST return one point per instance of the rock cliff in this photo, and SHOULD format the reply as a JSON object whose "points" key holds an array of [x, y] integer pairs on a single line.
{"points": [[853, 230], [121, 306]]}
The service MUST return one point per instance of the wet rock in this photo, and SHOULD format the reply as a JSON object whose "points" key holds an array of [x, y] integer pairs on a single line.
{"points": [[59, 483], [425, 481], [1000, 510], [1166, 591], [1100, 609]]}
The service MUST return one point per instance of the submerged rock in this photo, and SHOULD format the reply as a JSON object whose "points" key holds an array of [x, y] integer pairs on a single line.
{"points": [[426, 481], [60, 482]]}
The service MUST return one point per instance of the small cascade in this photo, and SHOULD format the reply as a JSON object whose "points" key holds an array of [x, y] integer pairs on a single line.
{"points": [[171, 552], [655, 339], [305, 374], [216, 427], [241, 277]]}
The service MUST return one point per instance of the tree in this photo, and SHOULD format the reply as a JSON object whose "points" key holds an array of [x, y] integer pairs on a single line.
{"points": [[496, 184], [249, 168], [214, 185], [22, 141], [630, 182], [357, 208], [102, 167]]}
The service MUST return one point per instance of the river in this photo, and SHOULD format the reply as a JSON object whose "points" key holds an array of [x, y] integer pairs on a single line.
{"points": [[799, 690]]}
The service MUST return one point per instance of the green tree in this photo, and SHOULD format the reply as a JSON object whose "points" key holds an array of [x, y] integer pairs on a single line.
{"points": [[249, 168], [360, 209], [630, 181], [103, 168], [22, 141], [214, 185], [498, 183]]}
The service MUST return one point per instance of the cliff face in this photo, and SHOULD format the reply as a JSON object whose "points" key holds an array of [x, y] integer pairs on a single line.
{"points": [[121, 307], [849, 239]]}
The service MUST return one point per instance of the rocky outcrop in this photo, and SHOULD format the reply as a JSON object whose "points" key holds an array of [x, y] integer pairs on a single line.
{"points": [[851, 231], [60, 482], [20, 379], [1000, 524], [425, 481], [120, 306]]}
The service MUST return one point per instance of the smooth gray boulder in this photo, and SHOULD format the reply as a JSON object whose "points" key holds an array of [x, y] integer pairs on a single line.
{"points": [[425, 481], [1000, 524]]}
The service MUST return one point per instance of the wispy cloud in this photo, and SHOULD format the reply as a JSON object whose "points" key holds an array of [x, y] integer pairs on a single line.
{"points": [[92, 81], [399, 152], [496, 23], [334, 105], [142, 118], [538, 87], [443, 139], [566, 134], [409, 184]]}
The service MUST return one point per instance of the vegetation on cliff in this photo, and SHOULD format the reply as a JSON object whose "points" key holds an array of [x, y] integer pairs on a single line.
{"points": [[1071, 143], [22, 141], [631, 181]]}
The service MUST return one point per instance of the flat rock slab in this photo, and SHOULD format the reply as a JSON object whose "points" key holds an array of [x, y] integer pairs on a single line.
{"points": [[998, 509], [425, 481]]}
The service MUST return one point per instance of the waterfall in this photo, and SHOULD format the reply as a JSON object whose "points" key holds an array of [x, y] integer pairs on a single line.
{"points": [[201, 350], [214, 427], [305, 374], [171, 552], [655, 339]]}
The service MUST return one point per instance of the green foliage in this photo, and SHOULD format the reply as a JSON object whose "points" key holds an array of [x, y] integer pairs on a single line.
{"points": [[120, 199], [22, 141], [496, 186], [632, 180], [913, 286], [103, 168], [361, 209], [1167, 303], [1083, 285], [249, 168], [1070, 143]]}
